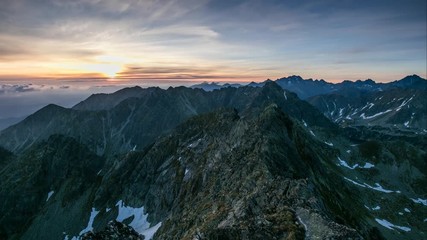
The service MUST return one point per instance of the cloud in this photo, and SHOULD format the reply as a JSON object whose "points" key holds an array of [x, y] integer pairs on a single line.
{"points": [[11, 89], [181, 30], [15, 48], [181, 73], [8, 88], [109, 6]]}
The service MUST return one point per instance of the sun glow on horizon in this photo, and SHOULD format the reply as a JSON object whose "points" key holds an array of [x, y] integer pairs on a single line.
{"points": [[109, 71], [109, 65]]}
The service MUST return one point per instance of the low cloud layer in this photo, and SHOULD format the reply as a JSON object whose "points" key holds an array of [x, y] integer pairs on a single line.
{"points": [[25, 88]]}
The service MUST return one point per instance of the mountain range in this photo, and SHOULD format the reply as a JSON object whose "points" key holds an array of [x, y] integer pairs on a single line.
{"points": [[398, 105], [237, 162], [306, 88]]}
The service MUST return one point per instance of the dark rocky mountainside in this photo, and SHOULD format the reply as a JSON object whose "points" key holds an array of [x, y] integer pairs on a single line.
{"points": [[234, 163], [399, 105], [395, 108], [249, 179], [103, 101], [6, 122], [409, 82], [136, 121], [59, 165], [306, 88]]}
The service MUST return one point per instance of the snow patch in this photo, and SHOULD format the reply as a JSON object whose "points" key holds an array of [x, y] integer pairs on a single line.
{"points": [[374, 208], [354, 182], [375, 115], [149, 233], [390, 225], [330, 144], [305, 124], [300, 220], [195, 144], [89, 227], [49, 195], [312, 133], [107, 209], [404, 103], [378, 187], [407, 210], [284, 94], [344, 164], [406, 124], [139, 222], [368, 165], [419, 200]]}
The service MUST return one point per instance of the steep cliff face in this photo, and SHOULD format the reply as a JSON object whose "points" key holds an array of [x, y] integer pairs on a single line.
{"points": [[395, 108], [30, 182], [247, 179]]}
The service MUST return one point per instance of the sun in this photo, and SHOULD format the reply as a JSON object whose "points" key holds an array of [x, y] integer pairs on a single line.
{"points": [[108, 70], [111, 71]]}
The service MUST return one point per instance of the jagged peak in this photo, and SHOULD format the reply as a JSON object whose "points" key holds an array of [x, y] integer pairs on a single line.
{"points": [[51, 107], [136, 87], [292, 78], [47, 112], [271, 84], [123, 90], [413, 77]]}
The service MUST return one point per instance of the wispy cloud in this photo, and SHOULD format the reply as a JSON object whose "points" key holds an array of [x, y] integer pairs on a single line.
{"points": [[190, 73]]}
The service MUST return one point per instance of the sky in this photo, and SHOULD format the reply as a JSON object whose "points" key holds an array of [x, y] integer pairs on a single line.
{"points": [[55, 46]]}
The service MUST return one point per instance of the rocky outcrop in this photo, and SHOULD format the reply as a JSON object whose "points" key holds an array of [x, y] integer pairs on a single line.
{"points": [[114, 230]]}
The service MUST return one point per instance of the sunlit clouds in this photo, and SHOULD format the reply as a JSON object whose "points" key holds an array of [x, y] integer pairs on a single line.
{"points": [[135, 41]]}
